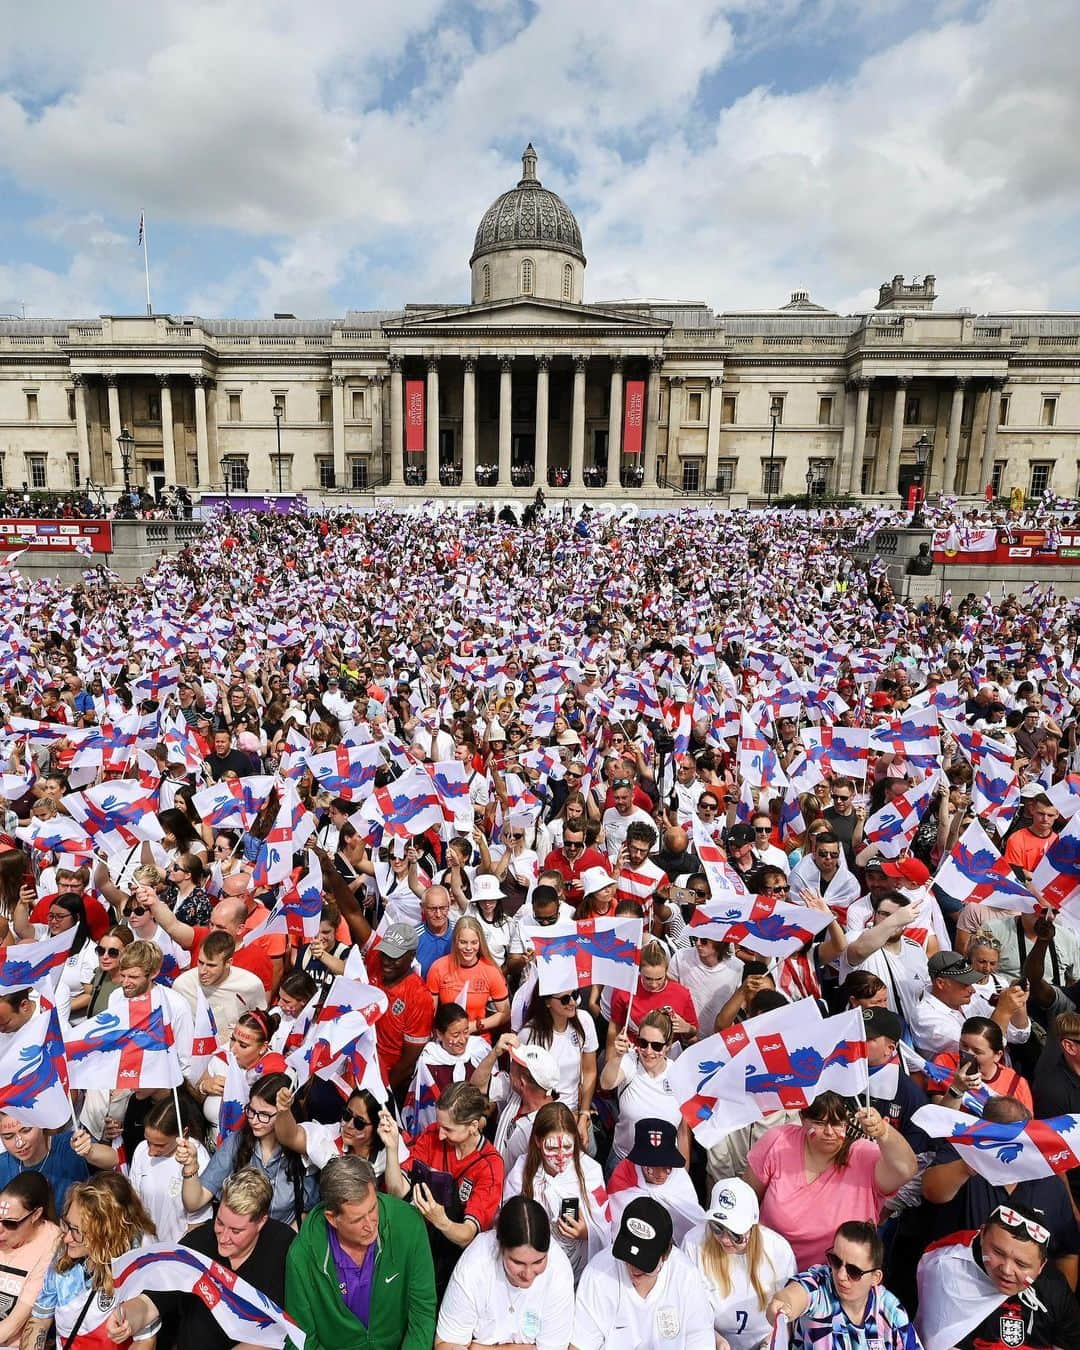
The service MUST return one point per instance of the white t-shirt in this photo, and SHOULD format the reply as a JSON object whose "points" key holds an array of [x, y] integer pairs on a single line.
{"points": [[710, 986], [480, 1304], [640, 1097], [738, 1316], [904, 973], [616, 825], [567, 1048], [158, 1183], [675, 1314]]}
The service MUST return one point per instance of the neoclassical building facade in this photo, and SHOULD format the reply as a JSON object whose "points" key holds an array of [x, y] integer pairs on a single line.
{"points": [[531, 385]]}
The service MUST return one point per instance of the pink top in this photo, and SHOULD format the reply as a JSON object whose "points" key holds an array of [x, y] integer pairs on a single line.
{"points": [[21, 1273], [808, 1213]]}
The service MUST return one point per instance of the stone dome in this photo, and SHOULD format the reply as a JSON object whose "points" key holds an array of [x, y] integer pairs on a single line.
{"points": [[529, 216]]}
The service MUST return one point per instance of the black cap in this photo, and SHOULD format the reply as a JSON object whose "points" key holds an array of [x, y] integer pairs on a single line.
{"points": [[644, 1235], [882, 1022], [741, 834]]}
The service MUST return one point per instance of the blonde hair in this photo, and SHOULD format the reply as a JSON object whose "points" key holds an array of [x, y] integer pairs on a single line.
{"points": [[146, 956], [716, 1265], [468, 924], [113, 1221], [248, 1192]]}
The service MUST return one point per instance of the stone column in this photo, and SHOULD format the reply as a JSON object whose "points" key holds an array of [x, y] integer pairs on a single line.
{"points": [[952, 442], [431, 428], [577, 425], [168, 435], [652, 422], [712, 442], [375, 388], [115, 427], [858, 449], [892, 477], [468, 424], [506, 387], [337, 407], [202, 439], [993, 414], [543, 365], [847, 439], [674, 422], [82, 428], [615, 419], [397, 424]]}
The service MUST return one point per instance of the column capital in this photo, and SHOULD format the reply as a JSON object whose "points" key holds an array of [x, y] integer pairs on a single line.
{"points": [[997, 382], [543, 362], [675, 380], [617, 363], [111, 381], [902, 381], [433, 364], [656, 364], [199, 380], [470, 364], [716, 381], [78, 381], [164, 380], [506, 363], [961, 381], [338, 380], [862, 382], [580, 362], [395, 364]]}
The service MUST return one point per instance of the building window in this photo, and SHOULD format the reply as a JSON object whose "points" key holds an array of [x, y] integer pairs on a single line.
{"points": [[567, 282], [235, 472], [693, 407], [772, 476], [997, 475], [234, 407], [727, 409], [73, 471], [35, 468], [1049, 411], [872, 410], [527, 277], [326, 473], [867, 477], [71, 405], [1040, 478], [31, 405], [485, 276], [824, 410], [281, 473], [357, 404], [725, 475], [358, 478], [153, 407], [911, 412], [1003, 412], [776, 407], [691, 475], [326, 412]]}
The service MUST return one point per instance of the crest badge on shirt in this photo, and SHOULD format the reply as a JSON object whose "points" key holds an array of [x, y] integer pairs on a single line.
{"points": [[667, 1322], [397, 1007], [1011, 1330]]}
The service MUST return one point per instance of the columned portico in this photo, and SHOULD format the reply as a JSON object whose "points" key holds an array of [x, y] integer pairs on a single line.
{"points": [[543, 370], [952, 442], [577, 425], [468, 423], [615, 420], [858, 450], [431, 441], [168, 436], [712, 442], [896, 440], [337, 412], [202, 434], [506, 389]]}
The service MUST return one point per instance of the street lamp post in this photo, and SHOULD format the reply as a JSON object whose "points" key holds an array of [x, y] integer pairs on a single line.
{"points": [[277, 419], [809, 485], [775, 408], [126, 442], [922, 448]]}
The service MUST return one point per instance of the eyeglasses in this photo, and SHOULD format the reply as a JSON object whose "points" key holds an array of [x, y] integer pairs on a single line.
{"points": [[545, 921], [708, 806], [566, 998], [262, 1117], [775, 890], [853, 1271], [841, 801], [1009, 1218], [109, 951], [652, 1045], [11, 1225], [763, 829], [137, 911], [573, 844], [76, 1233], [514, 836], [822, 854], [357, 1122]]}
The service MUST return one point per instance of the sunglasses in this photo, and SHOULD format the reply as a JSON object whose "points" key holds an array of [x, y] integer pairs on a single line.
{"points": [[137, 911], [571, 773], [109, 951], [830, 854], [775, 890], [1009, 1218], [708, 806], [11, 1225], [357, 1122], [763, 829], [736, 1239], [566, 998], [620, 782], [515, 836], [571, 844], [652, 1045], [853, 1271]]}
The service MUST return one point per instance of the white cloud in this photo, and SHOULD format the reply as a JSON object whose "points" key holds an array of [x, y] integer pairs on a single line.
{"points": [[357, 148]]}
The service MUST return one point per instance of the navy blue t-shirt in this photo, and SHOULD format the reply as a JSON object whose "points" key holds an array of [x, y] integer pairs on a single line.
{"points": [[61, 1167]]}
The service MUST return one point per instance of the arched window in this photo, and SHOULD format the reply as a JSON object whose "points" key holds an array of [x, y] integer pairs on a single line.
{"points": [[567, 282], [486, 275], [527, 277]]}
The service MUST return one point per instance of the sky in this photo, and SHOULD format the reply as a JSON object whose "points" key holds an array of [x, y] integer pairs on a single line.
{"points": [[330, 156]]}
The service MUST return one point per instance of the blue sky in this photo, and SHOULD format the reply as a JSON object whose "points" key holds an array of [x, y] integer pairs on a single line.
{"points": [[319, 158]]}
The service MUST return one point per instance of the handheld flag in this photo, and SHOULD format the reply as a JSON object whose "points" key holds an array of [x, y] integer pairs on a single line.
{"points": [[596, 951]]}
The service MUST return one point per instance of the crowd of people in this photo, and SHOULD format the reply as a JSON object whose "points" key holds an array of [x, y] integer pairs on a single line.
{"points": [[465, 740]]}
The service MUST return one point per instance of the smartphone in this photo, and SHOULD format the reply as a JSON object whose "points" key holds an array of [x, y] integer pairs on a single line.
{"points": [[569, 1208], [682, 895], [755, 968], [968, 1060]]}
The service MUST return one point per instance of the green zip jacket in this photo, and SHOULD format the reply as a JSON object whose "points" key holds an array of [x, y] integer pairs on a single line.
{"points": [[402, 1292]]}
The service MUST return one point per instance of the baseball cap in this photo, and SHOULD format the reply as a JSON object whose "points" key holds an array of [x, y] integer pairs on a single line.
{"points": [[741, 834], [874, 865], [539, 1063], [398, 940], [881, 699], [882, 1022], [595, 879], [952, 966], [644, 1234], [654, 1144], [909, 870], [734, 1206], [1033, 789]]}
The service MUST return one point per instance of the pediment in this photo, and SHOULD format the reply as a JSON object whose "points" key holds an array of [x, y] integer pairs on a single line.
{"points": [[523, 313]]}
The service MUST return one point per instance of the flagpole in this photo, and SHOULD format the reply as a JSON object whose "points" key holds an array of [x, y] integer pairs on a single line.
{"points": [[146, 261]]}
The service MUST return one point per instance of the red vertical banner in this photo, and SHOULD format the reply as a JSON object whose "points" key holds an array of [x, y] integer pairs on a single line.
{"points": [[414, 416], [633, 417]]}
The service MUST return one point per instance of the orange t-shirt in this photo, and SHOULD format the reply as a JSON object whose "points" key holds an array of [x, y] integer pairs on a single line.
{"points": [[1024, 849], [479, 984]]}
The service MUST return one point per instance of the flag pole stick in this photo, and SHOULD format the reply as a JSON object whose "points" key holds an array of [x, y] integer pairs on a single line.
{"points": [[146, 264], [179, 1117]]}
